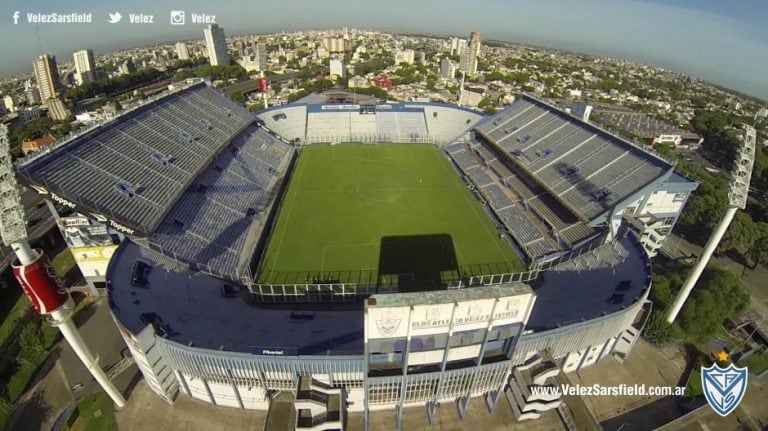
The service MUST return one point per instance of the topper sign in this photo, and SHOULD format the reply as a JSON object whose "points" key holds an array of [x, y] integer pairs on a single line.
{"points": [[69, 204]]}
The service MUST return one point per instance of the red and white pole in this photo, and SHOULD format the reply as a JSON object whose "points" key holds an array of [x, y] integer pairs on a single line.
{"points": [[49, 295]]}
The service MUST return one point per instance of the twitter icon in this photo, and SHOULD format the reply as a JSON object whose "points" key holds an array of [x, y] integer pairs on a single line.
{"points": [[114, 18]]}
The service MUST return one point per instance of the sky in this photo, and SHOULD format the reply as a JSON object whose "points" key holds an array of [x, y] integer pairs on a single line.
{"points": [[725, 42]]}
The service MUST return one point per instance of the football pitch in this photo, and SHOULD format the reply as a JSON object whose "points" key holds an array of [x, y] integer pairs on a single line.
{"points": [[381, 214]]}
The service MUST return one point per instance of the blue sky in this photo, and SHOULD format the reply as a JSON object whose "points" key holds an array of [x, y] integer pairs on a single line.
{"points": [[722, 41]]}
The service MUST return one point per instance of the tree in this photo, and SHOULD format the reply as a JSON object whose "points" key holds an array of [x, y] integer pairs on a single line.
{"points": [[658, 331], [31, 341], [258, 106], [236, 95], [741, 234], [719, 295], [431, 82], [759, 251], [720, 140], [703, 211]]}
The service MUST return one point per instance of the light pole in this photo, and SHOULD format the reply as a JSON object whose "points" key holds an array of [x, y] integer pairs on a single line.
{"points": [[36, 275], [737, 199]]}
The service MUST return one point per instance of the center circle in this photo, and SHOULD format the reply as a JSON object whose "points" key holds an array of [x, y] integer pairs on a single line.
{"points": [[380, 190]]}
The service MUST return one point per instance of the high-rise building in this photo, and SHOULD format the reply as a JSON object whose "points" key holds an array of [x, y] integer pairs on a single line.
{"points": [[10, 103], [240, 48], [57, 110], [85, 66], [337, 67], [127, 67], [47, 76], [447, 69], [474, 53], [216, 43], [454, 45], [463, 51], [404, 56], [182, 51], [260, 55], [334, 44]]}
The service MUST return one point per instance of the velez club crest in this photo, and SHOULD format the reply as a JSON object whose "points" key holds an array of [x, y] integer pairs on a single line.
{"points": [[724, 388]]}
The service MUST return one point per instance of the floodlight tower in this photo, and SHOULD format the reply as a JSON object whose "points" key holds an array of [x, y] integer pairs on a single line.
{"points": [[35, 274], [737, 199], [461, 86]]}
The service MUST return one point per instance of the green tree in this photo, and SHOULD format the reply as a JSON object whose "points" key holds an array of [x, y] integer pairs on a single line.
{"points": [[720, 140], [741, 234], [236, 95], [703, 211], [31, 341], [719, 295], [658, 331], [759, 251]]}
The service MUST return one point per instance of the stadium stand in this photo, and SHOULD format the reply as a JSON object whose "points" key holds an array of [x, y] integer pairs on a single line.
{"points": [[464, 159], [585, 168], [536, 221], [133, 169], [290, 122], [390, 122], [496, 197], [444, 123], [519, 225], [211, 221], [328, 127], [478, 176]]}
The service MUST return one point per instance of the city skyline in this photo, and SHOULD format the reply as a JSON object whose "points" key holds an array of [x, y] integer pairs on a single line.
{"points": [[703, 39]]}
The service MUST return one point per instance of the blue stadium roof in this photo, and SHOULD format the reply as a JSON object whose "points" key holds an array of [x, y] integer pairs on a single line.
{"points": [[190, 307]]}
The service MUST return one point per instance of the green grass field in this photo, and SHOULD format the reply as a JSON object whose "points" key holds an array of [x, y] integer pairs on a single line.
{"points": [[395, 213]]}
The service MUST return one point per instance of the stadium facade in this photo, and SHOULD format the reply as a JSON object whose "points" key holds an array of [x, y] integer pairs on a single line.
{"points": [[192, 182]]}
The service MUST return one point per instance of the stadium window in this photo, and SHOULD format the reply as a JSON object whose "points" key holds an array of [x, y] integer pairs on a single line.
{"points": [[434, 114], [469, 120], [467, 338]]}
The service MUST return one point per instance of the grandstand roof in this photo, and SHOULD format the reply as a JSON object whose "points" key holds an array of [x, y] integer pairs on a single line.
{"points": [[600, 282], [585, 168], [191, 308], [132, 169]]}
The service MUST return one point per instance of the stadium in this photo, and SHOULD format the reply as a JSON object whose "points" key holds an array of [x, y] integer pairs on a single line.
{"points": [[366, 257]]}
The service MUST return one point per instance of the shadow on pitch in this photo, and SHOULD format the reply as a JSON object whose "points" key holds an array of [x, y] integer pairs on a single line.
{"points": [[417, 262]]}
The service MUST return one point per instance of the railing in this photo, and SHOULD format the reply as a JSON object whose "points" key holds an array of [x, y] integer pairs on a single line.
{"points": [[313, 421]]}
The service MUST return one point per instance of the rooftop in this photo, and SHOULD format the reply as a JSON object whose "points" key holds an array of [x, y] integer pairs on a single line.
{"points": [[191, 308], [605, 280]]}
